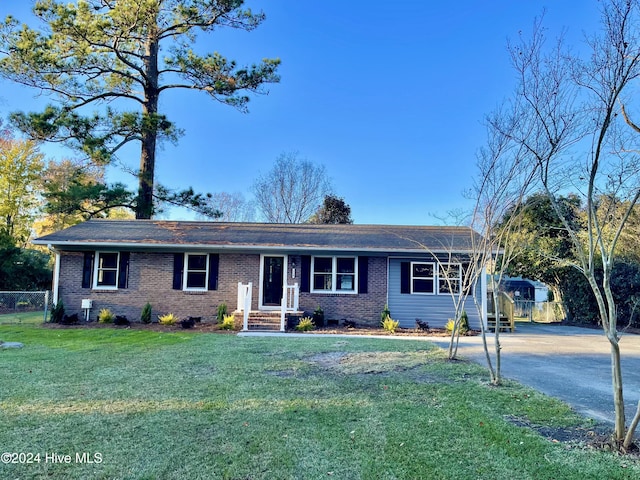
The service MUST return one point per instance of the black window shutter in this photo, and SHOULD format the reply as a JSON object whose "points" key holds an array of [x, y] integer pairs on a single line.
{"points": [[87, 269], [363, 274], [305, 273], [178, 266], [214, 262], [405, 277], [123, 273]]}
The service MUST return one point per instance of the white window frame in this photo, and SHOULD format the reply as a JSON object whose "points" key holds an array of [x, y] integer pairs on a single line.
{"points": [[334, 274], [459, 279], [434, 278], [186, 271], [97, 270]]}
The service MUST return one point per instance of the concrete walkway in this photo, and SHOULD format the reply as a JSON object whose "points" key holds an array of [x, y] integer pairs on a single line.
{"points": [[569, 363]]}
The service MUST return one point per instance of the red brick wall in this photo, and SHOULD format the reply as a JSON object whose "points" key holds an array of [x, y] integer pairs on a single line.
{"points": [[151, 279], [361, 308]]}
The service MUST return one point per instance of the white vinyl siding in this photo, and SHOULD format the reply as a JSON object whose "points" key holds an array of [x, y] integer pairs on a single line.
{"points": [[433, 309]]}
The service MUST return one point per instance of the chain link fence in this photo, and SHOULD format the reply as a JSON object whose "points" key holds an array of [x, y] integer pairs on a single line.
{"points": [[25, 307]]}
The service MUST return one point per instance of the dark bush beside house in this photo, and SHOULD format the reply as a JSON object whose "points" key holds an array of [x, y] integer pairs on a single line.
{"points": [[318, 317], [57, 312]]}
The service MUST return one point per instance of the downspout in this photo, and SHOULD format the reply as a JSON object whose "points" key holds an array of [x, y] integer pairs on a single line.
{"points": [[56, 274]]}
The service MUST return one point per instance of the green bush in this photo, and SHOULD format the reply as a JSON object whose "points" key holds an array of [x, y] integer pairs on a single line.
{"points": [[57, 312], [305, 324], [390, 325], [168, 319], [463, 326], [222, 312], [145, 316], [228, 322], [384, 314], [106, 316]]}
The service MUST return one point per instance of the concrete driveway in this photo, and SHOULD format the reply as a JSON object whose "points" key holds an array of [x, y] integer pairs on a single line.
{"points": [[569, 363]]}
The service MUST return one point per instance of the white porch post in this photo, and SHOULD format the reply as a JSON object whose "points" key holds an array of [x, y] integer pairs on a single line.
{"points": [[244, 303], [283, 308]]}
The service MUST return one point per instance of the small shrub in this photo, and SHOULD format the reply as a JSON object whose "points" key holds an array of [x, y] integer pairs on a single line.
{"points": [[70, 319], [422, 325], [168, 319], [106, 316], [122, 321], [57, 312], [305, 324], [188, 323], [390, 325], [464, 323], [145, 315], [350, 324], [385, 313], [463, 326], [222, 312], [449, 326], [228, 322]]}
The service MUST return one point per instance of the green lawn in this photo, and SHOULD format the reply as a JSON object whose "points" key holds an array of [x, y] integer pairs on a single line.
{"points": [[32, 318], [184, 405]]}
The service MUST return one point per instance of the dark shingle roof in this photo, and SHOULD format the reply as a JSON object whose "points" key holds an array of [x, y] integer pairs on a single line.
{"points": [[159, 234]]}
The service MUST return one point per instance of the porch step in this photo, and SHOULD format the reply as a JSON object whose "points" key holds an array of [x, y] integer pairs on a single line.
{"points": [[265, 321], [505, 323]]}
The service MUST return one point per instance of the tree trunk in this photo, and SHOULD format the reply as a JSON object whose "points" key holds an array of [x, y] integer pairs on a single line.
{"points": [[144, 207], [618, 398]]}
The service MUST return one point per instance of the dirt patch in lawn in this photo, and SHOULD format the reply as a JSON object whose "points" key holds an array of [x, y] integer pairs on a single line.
{"points": [[369, 362], [596, 436]]}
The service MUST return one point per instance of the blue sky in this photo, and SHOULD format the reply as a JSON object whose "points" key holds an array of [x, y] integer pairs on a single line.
{"points": [[389, 96]]}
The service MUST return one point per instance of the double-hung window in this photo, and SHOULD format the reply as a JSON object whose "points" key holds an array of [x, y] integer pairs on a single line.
{"points": [[106, 270], [449, 277], [334, 274], [423, 278], [196, 271]]}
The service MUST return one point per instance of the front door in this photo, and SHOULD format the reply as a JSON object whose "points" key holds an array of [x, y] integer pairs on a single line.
{"points": [[272, 280]]}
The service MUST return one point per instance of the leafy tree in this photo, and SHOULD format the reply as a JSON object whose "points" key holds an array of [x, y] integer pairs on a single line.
{"points": [[292, 190], [75, 191], [542, 244], [23, 269], [21, 166], [123, 53], [333, 210]]}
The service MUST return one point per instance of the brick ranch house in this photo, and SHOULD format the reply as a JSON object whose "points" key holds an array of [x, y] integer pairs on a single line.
{"points": [[189, 268]]}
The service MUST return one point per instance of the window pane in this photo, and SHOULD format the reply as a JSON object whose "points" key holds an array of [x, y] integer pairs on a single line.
{"points": [[323, 264], [452, 286], [345, 282], [107, 278], [322, 282], [423, 270], [422, 286], [108, 260], [450, 270], [346, 265], [197, 262], [196, 280]]}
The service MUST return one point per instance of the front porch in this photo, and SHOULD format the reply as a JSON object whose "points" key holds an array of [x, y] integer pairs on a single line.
{"points": [[273, 317]]}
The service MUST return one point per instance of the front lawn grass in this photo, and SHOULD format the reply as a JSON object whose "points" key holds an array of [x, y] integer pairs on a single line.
{"points": [[31, 318], [182, 405]]}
